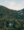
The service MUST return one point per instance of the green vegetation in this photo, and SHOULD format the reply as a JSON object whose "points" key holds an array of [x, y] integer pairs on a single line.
{"points": [[7, 14]]}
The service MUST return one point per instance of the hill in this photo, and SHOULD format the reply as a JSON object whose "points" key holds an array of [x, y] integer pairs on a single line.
{"points": [[12, 15]]}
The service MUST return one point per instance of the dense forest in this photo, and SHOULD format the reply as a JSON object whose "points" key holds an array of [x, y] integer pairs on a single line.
{"points": [[12, 15]]}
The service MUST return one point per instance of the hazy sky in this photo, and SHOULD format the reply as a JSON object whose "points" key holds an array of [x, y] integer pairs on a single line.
{"points": [[13, 4]]}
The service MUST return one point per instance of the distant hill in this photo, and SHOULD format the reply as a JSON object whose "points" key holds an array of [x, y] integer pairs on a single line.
{"points": [[6, 11], [21, 13]]}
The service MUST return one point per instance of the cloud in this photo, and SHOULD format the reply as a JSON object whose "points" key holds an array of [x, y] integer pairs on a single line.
{"points": [[13, 4]]}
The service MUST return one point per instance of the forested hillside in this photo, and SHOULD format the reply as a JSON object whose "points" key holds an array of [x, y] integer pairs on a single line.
{"points": [[9, 14]]}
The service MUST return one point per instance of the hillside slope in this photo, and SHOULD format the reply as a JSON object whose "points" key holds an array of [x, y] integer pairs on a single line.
{"points": [[9, 14]]}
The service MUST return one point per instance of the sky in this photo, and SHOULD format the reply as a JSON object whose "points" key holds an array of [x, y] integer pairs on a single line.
{"points": [[13, 4]]}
